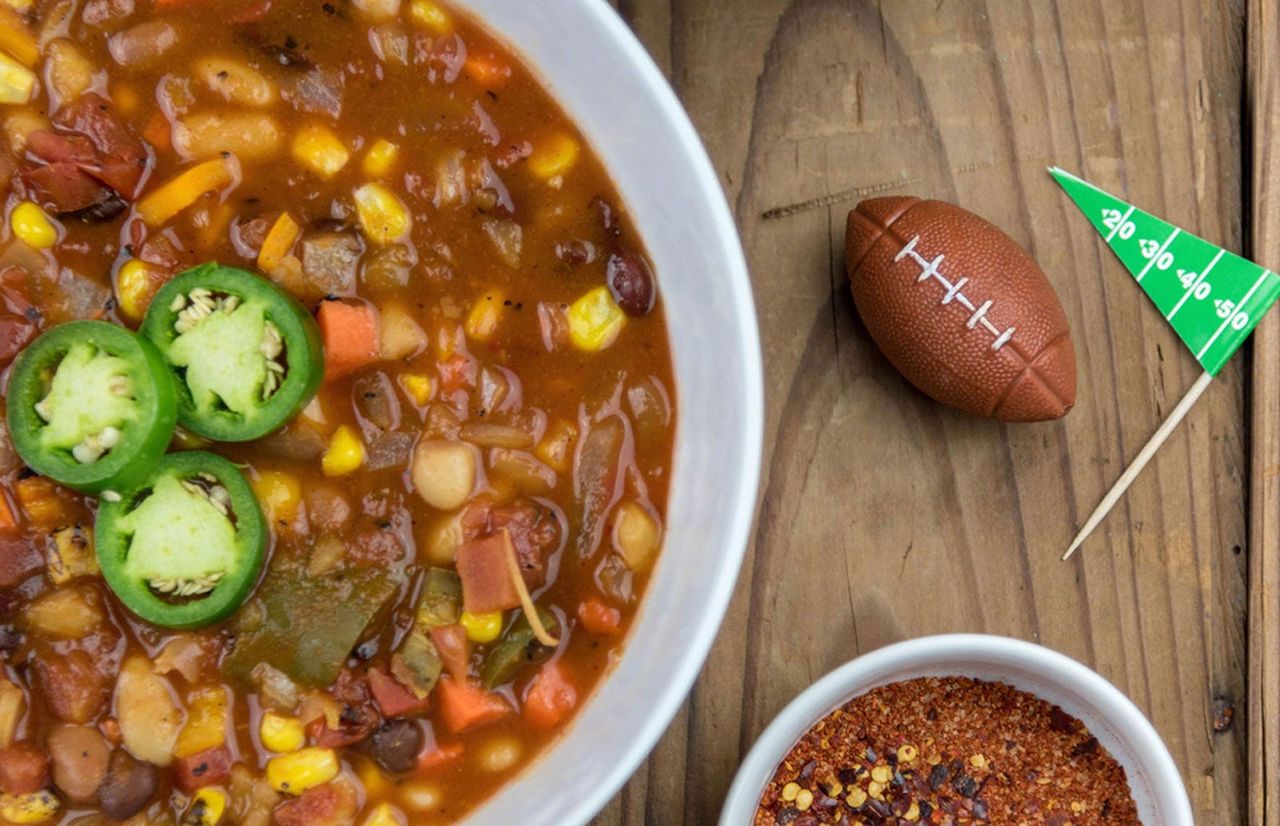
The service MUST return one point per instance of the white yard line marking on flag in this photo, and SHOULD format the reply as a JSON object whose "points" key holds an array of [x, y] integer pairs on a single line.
{"points": [[1194, 284], [1244, 302], [1163, 247], [1120, 223]]}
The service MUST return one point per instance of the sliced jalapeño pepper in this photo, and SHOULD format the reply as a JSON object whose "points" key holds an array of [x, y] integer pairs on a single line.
{"points": [[246, 356], [184, 547], [92, 406]]}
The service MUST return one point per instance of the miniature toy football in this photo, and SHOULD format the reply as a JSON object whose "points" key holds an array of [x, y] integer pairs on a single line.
{"points": [[960, 309]]}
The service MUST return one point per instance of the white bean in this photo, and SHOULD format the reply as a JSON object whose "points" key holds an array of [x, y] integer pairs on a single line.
{"points": [[444, 473], [247, 135]]}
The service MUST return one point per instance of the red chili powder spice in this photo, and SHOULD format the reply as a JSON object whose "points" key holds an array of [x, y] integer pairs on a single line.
{"points": [[948, 751]]}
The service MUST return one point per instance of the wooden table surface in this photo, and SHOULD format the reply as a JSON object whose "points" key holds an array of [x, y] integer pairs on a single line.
{"points": [[884, 516]]}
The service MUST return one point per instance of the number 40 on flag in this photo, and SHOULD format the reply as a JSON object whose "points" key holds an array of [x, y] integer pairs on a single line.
{"points": [[1211, 297]]}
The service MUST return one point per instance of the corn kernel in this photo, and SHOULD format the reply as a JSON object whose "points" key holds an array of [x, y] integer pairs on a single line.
{"points": [[136, 285], [16, 81], [280, 494], [36, 807], [207, 808], [554, 157], [595, 320], [483, 318], [383, 217], [375, 783], [417, 386], [344, 454], [33, 226], [380, 159], [384, 814], [421, 796], [482, 628], [281, 733], [303, 769], [430, 16], [318, 149]]}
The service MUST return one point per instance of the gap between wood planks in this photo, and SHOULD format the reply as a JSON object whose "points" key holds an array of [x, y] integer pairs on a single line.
{"points": [[1263, 717]]}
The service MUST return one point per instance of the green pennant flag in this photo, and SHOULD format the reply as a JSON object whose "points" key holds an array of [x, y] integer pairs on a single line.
{"points": [[1212, 297]]}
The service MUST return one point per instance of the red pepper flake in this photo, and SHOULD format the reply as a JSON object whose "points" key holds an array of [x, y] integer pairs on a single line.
{"points": [[949, 751]]}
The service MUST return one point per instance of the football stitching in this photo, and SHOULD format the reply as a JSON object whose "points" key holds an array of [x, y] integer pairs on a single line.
{"points": [[978, 314]]}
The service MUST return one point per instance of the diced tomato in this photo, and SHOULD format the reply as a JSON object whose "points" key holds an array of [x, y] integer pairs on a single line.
{"points": [[376, 546], [64, 186], [120, 157], [72, 685], [486, 581], [208, 768], [350, 333], [435, 756], [599, 617], [19, 558], [534, 530], [550, 697], [23, 768], [464, 706], [329, 804], [15, 332], [393, 698], [454, 648], [457, 372]]}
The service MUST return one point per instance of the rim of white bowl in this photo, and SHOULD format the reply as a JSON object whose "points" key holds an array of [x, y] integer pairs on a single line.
{"points": [[1154, 775], [685, 664]]}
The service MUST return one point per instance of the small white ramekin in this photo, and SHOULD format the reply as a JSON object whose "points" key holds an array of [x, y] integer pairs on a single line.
{"points": [[1117, 723]]}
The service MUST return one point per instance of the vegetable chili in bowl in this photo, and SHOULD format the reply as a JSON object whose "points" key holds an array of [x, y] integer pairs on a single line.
{"points": [[339, 413]]}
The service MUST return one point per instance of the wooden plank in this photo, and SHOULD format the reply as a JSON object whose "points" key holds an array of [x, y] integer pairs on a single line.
{"points": [[884, 516], [1264, 507]]}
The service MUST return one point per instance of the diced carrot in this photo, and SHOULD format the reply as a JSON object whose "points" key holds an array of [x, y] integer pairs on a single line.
{"points": [[157, 132], [599, 617], [42, 502], [464, 706], [394, 699], [488, 71], [550, 697], [278, 243], [436, 756], [350, 333]]}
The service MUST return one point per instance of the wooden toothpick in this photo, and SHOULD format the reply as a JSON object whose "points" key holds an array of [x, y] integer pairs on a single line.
{"points": [[1148, 450]]}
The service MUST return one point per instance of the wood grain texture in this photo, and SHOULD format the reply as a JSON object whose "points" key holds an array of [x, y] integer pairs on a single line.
{"points": [[884, 516], [1264, 501]]}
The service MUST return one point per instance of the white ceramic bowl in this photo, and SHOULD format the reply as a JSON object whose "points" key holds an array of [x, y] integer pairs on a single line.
{"points": [[602, 76], [1117, 723]]}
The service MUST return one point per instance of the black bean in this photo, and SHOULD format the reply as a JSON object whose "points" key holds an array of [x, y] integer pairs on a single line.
{"points": [[128, 786], [938, 776], [396, 744]]}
